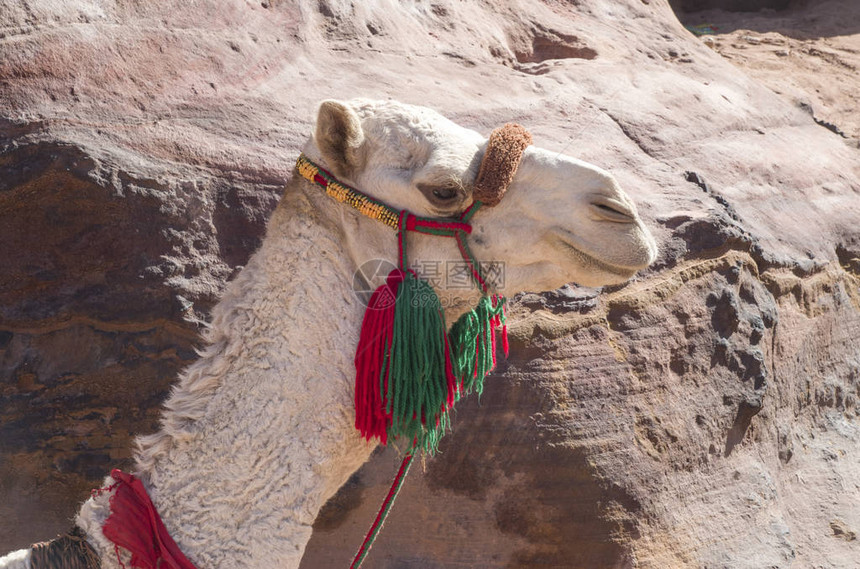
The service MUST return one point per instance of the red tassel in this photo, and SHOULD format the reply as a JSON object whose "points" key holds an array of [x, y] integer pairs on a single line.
{"points": [[371, 360], [477, 355], [494, 323], [135, 525], [505, 339], [452, 385], [504, 327]]}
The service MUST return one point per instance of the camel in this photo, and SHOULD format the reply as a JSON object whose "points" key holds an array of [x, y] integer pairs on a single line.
{"points": [[259, 433]]}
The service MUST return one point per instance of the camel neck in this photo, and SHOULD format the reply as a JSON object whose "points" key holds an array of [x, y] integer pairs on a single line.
{"points": [[255, 436]]}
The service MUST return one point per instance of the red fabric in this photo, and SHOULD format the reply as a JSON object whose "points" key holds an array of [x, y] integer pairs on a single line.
{"points": [[477, 353], [135, 525], [320, 179], [413, 222], [505, 339], [450, 379], [494, 322], [505, 329], [371, 363]]}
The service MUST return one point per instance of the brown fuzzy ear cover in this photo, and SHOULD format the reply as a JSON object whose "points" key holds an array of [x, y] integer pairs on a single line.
{"points": [[504, 151]]}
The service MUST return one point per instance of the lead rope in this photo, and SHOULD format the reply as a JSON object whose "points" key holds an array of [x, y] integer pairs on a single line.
{"points": [[383, 510], [400, 477], [475, 273]]}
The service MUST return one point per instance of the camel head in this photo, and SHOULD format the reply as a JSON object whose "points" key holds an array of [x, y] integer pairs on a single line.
{"points": [[562, 220]]}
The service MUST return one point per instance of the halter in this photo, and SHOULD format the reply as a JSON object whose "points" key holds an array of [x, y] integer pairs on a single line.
{"points": [[409, 369], [399, 220]]}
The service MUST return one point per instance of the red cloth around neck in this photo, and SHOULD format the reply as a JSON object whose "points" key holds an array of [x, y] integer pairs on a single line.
{"points": [[135, 525]]}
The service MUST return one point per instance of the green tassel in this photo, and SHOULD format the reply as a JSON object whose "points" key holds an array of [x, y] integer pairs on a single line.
{"points": [[429, 370], [419, 372], [473, 344]]}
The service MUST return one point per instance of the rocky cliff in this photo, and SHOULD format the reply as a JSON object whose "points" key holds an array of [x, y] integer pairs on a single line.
{"points": [[705, 415]]}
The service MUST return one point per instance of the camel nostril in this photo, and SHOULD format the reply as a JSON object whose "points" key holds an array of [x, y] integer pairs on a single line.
{"points": [[609, 209]]}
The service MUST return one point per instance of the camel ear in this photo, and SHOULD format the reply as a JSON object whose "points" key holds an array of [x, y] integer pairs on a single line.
{"points": [[339, 136]]}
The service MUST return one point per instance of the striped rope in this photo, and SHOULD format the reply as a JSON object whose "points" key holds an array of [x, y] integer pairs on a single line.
{"points": [[383, 511]]}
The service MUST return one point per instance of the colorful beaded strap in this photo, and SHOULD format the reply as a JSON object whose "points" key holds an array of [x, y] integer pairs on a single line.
{"points": [[357, 200]]}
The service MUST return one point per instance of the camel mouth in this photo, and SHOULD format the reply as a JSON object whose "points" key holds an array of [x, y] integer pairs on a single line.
{"points": [[567, 242]]}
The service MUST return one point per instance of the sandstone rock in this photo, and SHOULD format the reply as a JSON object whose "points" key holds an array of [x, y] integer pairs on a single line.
{"points": [[703, 416], [809, 55]]}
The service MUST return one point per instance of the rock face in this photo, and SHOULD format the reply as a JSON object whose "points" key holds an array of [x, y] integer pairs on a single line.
{"points": [[809, 55], [705, 415]]}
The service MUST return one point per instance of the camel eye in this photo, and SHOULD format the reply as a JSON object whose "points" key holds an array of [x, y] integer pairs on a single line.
{"points": [[445, 193], [444, 197]]}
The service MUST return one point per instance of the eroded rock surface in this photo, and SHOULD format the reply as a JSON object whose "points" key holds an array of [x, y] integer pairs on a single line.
{"points": [[810, 55], [703, 416]]}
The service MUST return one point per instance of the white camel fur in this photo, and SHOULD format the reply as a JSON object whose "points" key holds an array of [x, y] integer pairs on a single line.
{"points": [[258, 433]]}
